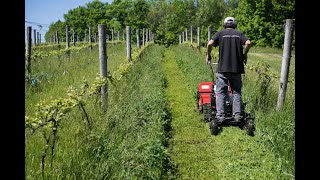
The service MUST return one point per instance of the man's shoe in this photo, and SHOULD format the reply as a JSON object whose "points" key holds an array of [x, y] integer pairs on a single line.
{"points": [[221, 117], [237, 117]]}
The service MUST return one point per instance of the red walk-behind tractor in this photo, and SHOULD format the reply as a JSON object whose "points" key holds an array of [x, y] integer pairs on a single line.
{"points": [[206, 104]]}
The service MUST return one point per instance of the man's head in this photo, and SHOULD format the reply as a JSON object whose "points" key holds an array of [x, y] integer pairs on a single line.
{"points": [[230, 22]]}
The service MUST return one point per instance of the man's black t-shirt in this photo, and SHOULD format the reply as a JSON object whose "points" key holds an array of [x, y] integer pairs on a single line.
{"points": [[230, 42]]}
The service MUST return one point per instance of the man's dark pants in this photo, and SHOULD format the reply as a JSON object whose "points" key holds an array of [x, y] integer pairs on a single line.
{"points": [[235, 80]]}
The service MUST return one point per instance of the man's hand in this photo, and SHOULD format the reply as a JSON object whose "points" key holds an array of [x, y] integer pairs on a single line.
{"points": [[208, 59], [246, 50]]}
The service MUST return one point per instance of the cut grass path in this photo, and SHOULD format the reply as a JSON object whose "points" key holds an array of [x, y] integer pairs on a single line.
{"points": [[199, 155]]}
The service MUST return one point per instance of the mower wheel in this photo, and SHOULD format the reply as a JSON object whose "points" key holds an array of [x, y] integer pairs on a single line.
{"points": [[214, 128], [250, 126]]}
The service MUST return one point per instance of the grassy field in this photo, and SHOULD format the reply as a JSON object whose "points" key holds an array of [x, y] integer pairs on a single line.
{"points": [[232, 154], [151, 129]]}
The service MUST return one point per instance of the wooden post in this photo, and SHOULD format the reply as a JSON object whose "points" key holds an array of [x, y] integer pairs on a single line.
{"points": [[182, 36], [191, 38], [57, 37], [128, 30], [186, 35], [38, 42], [67, 37], [103, 64], [198, 37], [90, 42], [73, 38], [209, 33], [285, 62], [28, 48], [138, 38], [147, 35], [143, 35], [179, 38], [34, 37], [150, 35]]}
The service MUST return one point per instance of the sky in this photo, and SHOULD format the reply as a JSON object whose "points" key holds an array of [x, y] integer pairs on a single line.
{"points": [[45, 12]]}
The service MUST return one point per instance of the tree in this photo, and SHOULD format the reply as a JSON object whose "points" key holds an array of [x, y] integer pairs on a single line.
{"points": [[264, 26]]}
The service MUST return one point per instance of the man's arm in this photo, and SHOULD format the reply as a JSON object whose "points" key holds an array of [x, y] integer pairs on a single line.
{"points": [[209, 49], [246, 50]]}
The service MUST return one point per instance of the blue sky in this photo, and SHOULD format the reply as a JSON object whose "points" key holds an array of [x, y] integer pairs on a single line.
{"points": [[45, 12]]}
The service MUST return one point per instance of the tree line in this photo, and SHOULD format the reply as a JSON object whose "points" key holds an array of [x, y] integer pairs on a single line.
{"points": [[262, 21]]}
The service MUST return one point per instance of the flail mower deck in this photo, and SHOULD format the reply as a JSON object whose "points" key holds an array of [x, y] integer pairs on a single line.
{"points": [[206, 104]]}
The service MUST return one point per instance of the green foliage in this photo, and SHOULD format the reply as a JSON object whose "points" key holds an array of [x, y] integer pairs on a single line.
{"points": [[167, 19], [265, 26], [137, 14]]}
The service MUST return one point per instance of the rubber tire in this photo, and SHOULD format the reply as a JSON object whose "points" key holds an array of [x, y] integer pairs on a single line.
{"points": [[250, 127], [214, 128]]}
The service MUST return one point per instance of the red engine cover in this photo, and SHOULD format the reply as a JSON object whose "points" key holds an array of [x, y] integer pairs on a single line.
{"points": [[205, 90], [205, 87]]}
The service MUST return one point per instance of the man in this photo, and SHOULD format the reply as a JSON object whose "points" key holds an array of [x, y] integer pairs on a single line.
{"points": [[231, 62]]}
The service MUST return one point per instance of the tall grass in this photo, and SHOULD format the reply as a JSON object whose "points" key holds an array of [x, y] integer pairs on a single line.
{"points": [[126, 142], [130, 140], [52, 76], [132, 143], [276, 128]]}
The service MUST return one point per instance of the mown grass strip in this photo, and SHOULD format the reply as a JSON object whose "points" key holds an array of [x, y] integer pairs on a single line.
{"points": [[197, 154], [276, 130]]}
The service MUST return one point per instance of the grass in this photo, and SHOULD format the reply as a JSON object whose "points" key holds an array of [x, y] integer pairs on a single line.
{"points": [[232, 154], [126, 142], [152, 129], [54, 76]]}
